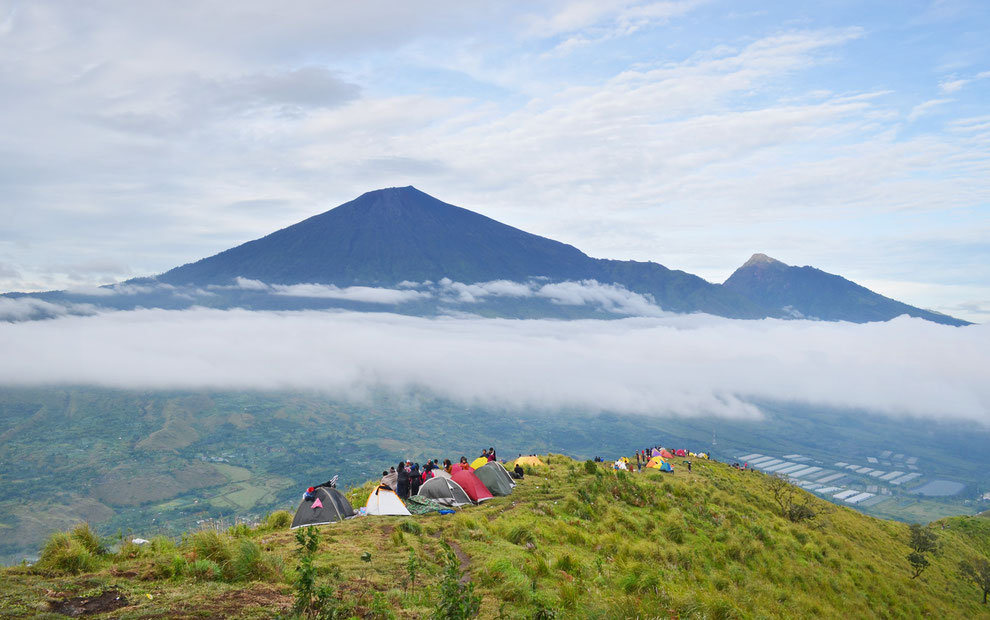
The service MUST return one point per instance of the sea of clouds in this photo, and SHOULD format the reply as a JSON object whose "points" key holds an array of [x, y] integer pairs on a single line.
{"points": [[682, 365]]}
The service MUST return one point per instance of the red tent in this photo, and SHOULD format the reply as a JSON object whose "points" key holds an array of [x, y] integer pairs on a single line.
{"points": [[681, 452], [471, 485], [666, 454]]}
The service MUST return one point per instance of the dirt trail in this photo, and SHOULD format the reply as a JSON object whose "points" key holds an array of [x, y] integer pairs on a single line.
{"points": [[463, 559]]}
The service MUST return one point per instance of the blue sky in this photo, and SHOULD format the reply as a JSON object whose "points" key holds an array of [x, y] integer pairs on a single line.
{"points": [[852, 136]]}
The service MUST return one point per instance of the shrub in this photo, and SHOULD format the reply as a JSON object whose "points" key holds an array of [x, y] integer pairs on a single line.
{"points": [[249, 563], [590, 468], [239, 530], [64, 554], [204, 570], [278, 520], [88, 539], [411, 527], [211, 545], [170, 566]]}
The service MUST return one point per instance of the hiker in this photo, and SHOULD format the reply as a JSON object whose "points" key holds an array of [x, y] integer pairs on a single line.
{"points": [[688, 463], [402, 477], [463, 464], [390, 478], [517, 472], [310, 494], [447, 466], [415, 479], [491, 454]]}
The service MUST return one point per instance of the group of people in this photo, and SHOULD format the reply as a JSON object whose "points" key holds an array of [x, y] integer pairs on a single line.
{"points": [[406, 477]]}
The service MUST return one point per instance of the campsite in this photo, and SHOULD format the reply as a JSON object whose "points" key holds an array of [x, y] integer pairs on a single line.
{"points": [[573, 539]]}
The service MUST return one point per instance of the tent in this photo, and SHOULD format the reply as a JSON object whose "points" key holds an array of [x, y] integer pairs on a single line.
{"points": [[505, 474], [474, 488], [440, 473], [655, 452], [624, 459], [479, 462], [655, 462], [496, 482], [445, 491], [665, 453], [658, 463], [328, 506], [529, 460], [384, 501], [680, 452]]}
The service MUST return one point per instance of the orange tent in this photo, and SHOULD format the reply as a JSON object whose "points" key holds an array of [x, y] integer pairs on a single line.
{"points": [[666, 454], [528, 460]]}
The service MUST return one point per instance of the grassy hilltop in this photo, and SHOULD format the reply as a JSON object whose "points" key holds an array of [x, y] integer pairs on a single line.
{"points": [[575, 540]]}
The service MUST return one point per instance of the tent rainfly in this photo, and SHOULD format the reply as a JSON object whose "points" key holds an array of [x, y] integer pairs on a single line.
{"points": [[328, 505], [383, 501]]}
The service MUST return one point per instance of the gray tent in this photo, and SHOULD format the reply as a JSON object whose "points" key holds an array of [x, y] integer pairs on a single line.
{"points": [[328, 506], [445, 491], [505, 473], [492, 476]]}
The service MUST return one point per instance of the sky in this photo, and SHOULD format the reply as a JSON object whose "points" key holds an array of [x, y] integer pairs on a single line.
{"points": [[851, 136]]}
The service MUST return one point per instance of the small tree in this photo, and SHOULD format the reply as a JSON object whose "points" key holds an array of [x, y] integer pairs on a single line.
{"points": [[977, 570], [923, 541], [457, 600], [783, 493]]}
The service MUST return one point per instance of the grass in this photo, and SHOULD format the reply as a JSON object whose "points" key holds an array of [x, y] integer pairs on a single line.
{"points": [[577, 540]]}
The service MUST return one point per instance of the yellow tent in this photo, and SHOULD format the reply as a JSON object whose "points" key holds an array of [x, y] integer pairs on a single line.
{"points": [[623, 459], [528, 460], [481, 461], [655, 462]]}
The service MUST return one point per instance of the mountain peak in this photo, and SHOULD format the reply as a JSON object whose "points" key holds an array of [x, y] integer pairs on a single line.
{"points": [[761, 259]]}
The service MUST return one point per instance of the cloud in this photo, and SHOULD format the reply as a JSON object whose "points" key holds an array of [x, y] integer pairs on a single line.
{"points": [[611, 297], [680, 365], [925, 107], [30, 309], [366, 294]]}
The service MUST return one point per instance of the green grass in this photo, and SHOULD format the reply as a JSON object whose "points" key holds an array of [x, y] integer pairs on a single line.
{"points": [[582, 541]]}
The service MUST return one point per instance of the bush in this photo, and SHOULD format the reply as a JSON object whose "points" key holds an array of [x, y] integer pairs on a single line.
{"points": [[171, 566], [590, 468], [278, 520], [204, 570], [250, 563], [211, 545], [88, 539], [411, 527], [65, 554]]}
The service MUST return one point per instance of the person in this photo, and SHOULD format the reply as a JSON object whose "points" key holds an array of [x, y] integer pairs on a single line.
{"points": [[447, 466], [688, 463], [491, 454], [390, 478], [415, 479], [402, 478], [463, 464], [310, 494], [518, 471]]}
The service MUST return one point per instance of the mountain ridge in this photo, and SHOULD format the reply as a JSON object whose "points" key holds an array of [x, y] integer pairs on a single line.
{"points": [[395, 236]]}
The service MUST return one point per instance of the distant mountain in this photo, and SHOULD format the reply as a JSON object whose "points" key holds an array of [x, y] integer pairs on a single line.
{"points": [[806, 292], [393, 235], [401, 250]]}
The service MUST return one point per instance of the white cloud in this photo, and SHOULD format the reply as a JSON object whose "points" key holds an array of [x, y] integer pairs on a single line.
{"points": [[679, 365], [28, 309], [926, 107], [364, 294], [613, 298]]}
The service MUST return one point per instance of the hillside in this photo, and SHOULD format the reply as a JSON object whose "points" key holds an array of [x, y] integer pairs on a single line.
{"points": [[574, 540]]}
